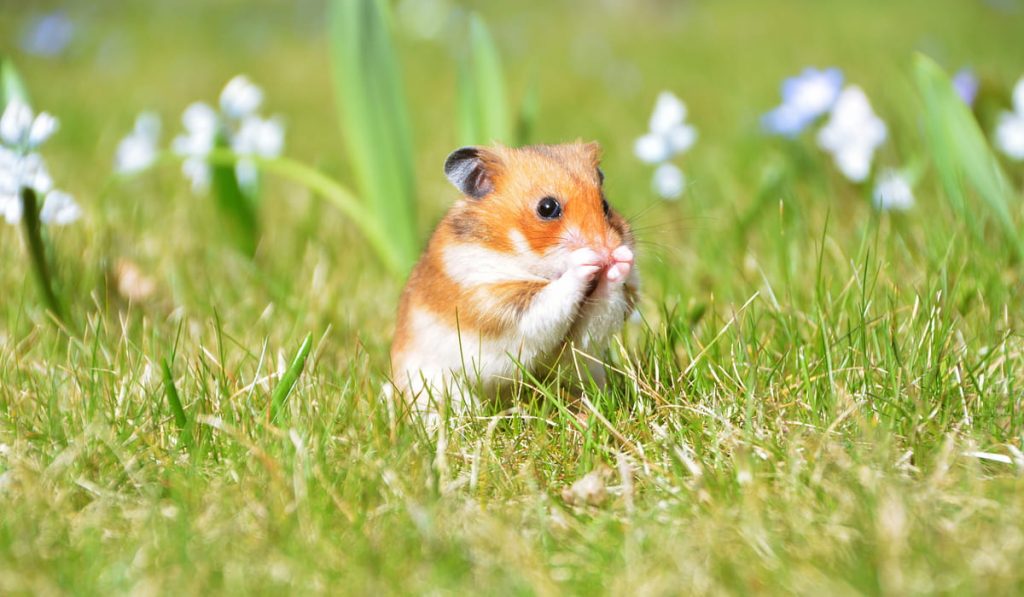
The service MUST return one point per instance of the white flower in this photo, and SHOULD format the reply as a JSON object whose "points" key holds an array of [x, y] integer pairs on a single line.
{"points": [[652, 148], [138, 150], [852, 134], [198, 171], [669, 111], [201, 124], [15, 122], [260, 137], [669, 134], [59, 209], [1009, 135], [237, 127], [240, 97], [892, 192], [668, 181], [21, 168], [263, 138], [10, 208], [19, 129], [18, 172]]}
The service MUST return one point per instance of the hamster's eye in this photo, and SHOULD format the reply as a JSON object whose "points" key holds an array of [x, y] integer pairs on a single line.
{"points": [[549, 208], [604, 205]]}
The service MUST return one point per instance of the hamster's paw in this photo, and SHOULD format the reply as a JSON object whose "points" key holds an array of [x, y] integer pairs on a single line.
{"points": [[622, 263], [584, 264]]}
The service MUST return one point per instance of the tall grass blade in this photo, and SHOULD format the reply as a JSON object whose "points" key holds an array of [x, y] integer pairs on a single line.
{"points": [[374, 118], [529, 108], [962, 156], [482, 100], [291, 375], [11, 84], [174, 401]]}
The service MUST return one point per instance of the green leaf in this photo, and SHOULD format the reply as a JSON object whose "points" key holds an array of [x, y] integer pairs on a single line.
{"points": [[962, 156], [326, 187], [483, 104], [374, 119], [11, 84], [291, 375], [238, 210], [529, 109]]}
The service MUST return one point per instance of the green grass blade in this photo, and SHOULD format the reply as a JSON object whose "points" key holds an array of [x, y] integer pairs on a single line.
{"points": [[962, 156], [467, 108], [11, 84], [174, 401], [483, 102], [291, 375], [374, 119]]}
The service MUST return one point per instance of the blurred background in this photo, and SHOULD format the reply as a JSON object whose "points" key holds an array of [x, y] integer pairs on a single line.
{"points": [[593, 71]]}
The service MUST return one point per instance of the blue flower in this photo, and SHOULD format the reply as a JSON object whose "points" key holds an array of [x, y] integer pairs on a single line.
{"points": [[805, 97], [48, 35], [966, 85]]}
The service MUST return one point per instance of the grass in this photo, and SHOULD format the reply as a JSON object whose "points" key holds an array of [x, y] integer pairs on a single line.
{"points": [[797, 412]]}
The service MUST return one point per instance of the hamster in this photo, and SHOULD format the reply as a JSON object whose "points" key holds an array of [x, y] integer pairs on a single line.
{"points": [[531, 262]]}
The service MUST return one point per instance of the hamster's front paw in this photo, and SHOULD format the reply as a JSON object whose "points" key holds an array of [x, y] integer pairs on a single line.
{"points": [[584, 265], [622, 264]]}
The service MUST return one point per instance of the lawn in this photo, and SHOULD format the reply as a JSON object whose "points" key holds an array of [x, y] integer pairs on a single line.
{"points": [[817, 396]]}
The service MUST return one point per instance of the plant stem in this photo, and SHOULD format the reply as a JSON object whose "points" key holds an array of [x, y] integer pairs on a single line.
{"points": [[37, 253]]}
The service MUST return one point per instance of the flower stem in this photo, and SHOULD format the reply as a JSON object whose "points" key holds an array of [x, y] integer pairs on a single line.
{"points": [[34, 243]]}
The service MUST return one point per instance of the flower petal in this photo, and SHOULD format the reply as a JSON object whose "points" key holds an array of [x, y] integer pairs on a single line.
{"points": [[812, 92], [854, 162], [15, 122], [892, 192], [11, 208], [200, 119], [34, 175], [966, 85], [681, 138], [652, 148], [852, 134], [1018, 96], [198, 171], [668, 181], [669, 111], [43, 126], [785, 120], [1009, 135], [59, 209], [260, 137], [240, 97]]}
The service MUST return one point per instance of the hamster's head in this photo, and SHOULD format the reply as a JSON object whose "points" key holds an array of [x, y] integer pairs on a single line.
{"points": [[534, 204]]}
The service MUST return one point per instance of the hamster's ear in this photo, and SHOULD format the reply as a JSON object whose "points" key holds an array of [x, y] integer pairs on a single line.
{"points": [[471, 170]]}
